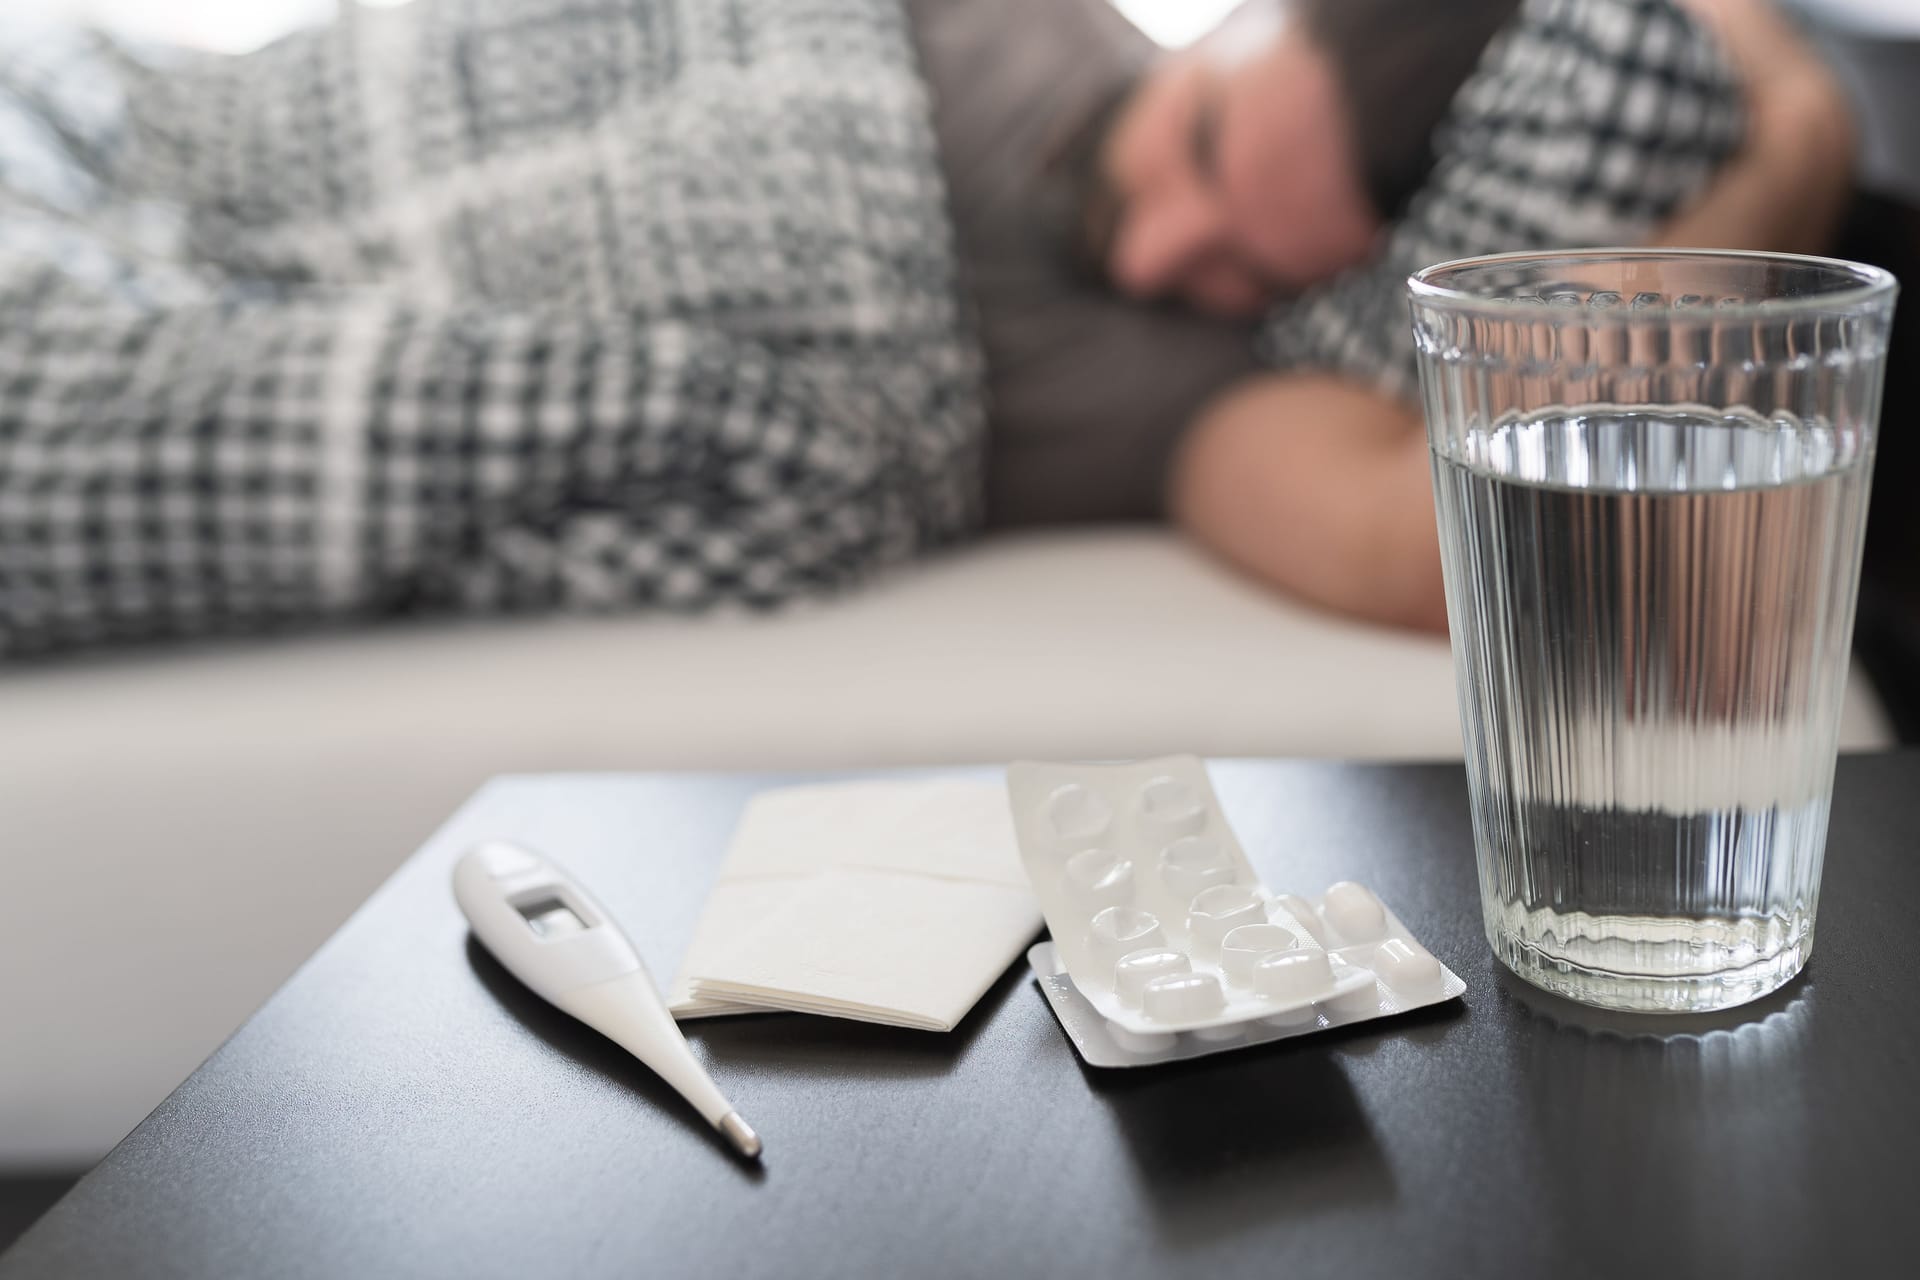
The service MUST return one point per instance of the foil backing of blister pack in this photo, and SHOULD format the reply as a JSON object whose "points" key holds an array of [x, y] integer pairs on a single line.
{"points": [[1165, 943]]}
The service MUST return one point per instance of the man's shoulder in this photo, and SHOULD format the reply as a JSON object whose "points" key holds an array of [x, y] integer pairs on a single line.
{"points": [[1632, 35], [1641, 71]]}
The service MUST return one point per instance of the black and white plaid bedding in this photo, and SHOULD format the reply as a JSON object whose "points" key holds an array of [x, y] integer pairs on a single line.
{"points": [[1588, 122], [474, 303], [510, 304]]}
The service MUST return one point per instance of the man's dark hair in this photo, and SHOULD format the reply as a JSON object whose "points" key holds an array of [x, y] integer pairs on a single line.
{"points": [[1399, 64]]}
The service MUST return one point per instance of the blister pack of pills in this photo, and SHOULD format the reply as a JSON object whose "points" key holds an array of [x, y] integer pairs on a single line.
{"points": [[1167, 946]]}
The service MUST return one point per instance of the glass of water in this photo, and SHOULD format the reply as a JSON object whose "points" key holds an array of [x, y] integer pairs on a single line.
{"points": [[1651, 470]]}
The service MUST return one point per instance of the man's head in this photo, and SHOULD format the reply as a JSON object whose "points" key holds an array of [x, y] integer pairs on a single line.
{"points": [[1270, 155]]}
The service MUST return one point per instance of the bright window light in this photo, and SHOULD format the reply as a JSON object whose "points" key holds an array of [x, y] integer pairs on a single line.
{"points": [[225, 26], [234, 26], [1176, 22]]}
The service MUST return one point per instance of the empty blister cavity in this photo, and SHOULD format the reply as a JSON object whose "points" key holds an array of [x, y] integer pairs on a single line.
{"points": [[1170, 807], [1194, 863], [1133, 971], [1117, 930], [1218, 911], [1242, 948], [1302, 911], [1182, 997], [1408, 967], [1289, 977], [1097, 878], [1078, 813], [1353, 913]]}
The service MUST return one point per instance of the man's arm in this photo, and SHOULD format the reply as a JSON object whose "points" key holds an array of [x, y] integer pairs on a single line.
{"points": [[1787, 189], [1320, 486]]}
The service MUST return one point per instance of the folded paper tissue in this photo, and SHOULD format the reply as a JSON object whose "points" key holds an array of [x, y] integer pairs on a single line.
{"points": [[892, 901]]}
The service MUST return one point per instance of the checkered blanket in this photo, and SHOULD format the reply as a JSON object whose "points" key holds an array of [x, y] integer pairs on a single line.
{"points": [[515, 304], [487, 304], [1588, 122]]}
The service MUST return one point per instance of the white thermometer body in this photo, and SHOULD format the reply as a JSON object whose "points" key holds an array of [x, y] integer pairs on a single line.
{"points": [[546, 931]]}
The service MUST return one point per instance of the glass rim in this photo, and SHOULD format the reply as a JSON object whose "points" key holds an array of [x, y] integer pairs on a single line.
{"points": [[1864, 283]]}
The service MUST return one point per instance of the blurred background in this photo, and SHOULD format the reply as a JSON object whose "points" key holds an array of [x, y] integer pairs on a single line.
{"points": [[235, 26], [182, 828]]}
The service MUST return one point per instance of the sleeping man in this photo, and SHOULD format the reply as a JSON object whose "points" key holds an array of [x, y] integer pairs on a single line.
{"points": [[520, 304], [1583, 124]]}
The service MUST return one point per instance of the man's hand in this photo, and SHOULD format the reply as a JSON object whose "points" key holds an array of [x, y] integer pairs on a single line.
{"points": [[1788, 187]]}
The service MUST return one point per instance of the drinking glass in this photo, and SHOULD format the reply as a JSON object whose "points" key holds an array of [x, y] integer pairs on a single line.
{"points": [[1651, 471]]}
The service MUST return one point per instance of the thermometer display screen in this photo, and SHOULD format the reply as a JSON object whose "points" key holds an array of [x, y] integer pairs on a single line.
{"points": [[550, 917]]}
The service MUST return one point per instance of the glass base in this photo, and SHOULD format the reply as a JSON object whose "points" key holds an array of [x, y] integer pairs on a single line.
{"points": [[1686, 992]]}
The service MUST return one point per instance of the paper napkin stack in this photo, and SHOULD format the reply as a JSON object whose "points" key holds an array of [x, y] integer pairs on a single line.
{"points": [[894, 902]]}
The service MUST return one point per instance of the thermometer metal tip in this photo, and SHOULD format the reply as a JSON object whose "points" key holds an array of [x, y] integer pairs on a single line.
{"points": [[741, 1135]]}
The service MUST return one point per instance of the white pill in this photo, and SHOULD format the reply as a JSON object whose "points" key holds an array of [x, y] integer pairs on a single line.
{"points": [[1077, 813], [1407, 966], [1361, 1002], [1117, 930], [1245, 945], [1133, 971], [1225, 1031], [1193, 863], [1172, 808], [1293, 976], [1182, 997], [1218, 911], [1096, 878], [1302, 912], [1353, 913], [1141, 1041]]}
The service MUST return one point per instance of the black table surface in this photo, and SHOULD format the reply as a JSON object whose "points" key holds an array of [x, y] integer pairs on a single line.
{"points": [[401, 1106]]}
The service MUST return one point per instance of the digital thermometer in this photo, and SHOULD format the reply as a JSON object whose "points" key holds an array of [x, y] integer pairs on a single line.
{"points": [[545, 930]]}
